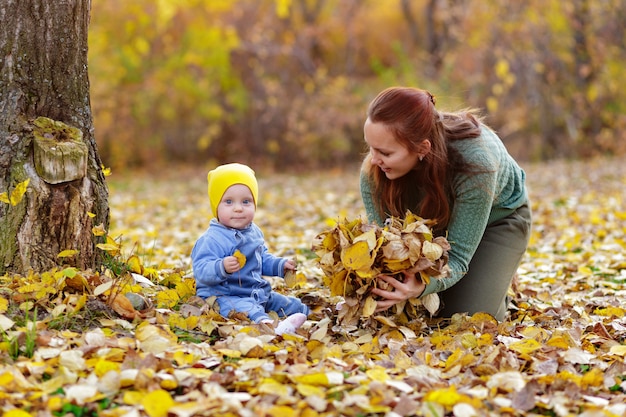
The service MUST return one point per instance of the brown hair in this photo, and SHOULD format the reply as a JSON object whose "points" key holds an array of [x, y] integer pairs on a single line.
{"points": [[411, 116]]}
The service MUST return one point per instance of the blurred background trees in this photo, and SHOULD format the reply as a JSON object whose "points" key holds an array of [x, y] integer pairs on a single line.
{"points": [[284, 84]]}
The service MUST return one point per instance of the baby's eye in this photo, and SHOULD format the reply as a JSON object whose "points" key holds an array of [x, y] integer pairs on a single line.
{"points": [[228, 201], [247, 202]]}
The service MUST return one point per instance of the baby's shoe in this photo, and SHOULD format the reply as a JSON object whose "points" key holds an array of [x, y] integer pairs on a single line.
{"points": [[290, 324]]}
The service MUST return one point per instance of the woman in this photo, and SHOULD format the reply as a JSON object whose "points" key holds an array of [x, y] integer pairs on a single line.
{"points": [[451, 168]]}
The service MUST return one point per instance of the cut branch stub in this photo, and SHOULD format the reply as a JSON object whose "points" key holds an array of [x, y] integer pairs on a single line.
{"points": [[59, 151]]}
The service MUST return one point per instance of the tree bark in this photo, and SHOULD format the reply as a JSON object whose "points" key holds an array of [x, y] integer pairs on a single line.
{"points": [[44, 76]]}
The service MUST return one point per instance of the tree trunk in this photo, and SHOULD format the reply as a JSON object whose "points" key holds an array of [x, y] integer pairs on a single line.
{"points": [[46, 138]]}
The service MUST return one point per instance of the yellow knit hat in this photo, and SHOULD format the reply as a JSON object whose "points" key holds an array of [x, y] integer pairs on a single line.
{"points": [[224, 176]]}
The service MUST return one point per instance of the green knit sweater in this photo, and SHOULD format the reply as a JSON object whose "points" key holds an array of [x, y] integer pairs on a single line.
{"points": [[480, 199]]}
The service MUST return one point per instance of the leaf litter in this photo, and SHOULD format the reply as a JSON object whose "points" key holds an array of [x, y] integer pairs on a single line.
{"points": [[133, 339]]}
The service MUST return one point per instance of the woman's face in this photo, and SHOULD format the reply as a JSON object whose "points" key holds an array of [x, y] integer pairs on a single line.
{"points": [[394, 159]]}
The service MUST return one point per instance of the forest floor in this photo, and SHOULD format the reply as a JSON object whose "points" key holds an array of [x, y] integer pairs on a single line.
{"points": [[78, 348]]}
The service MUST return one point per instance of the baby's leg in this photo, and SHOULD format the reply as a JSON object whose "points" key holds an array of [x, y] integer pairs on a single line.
{"points": [[285, 305], [290, 307], [250, 306]]}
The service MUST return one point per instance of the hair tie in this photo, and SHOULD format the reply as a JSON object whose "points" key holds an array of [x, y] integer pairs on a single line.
{"points": [[432, 98]]}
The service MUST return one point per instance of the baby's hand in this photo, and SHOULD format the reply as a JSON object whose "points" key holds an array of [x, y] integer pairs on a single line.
{"points": [[231, 264], [290, 265]]}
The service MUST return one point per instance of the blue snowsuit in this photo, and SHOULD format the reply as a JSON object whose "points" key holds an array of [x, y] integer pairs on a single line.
{"points": [[245, 290]]}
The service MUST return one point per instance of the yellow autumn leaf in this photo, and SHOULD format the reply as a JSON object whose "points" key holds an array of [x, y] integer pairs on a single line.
{"points": [[593, 378], [610, 311], [446, 396], [525, 346], [134, 264], [154, 339], [378, 374], [103, 366], [133, 397], [54, 403], [185, 323], [106, 171], [271, 386], [323, 379], [283, 411], [369, 237], [339, 284], [357, 256], [240, 257], [67, 253], [394, 265], [150, 272], [561, 341], [18, 192], [16, 412], [619, 350], [4, 198], [167, 298], [30, 288], [431, 250], [396, 250], [184, 358], [4, 305], [112, 248], [169, 383], [424, 277], [295, 279], [455, 358], [328, 243], [185, 288], [157, 403], [483, 319], [369, 307], [98, 230], [431, 302], [307, 389]]}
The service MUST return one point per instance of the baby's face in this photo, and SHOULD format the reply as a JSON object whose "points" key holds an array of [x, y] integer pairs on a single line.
{"points": [[236, 208]]}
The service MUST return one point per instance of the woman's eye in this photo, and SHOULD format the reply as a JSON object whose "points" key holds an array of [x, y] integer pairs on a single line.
{"points": [[384, 154]]}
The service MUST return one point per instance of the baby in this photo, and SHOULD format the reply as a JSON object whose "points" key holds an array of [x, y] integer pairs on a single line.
{"points": [[220, 269]]}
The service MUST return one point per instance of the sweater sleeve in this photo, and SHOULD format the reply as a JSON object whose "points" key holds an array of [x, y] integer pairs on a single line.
{"points": [[207, 262], [273, 266], [368, 200]]}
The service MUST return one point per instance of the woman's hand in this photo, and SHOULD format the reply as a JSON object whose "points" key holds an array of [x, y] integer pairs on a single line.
{"points": [[410, 288]]}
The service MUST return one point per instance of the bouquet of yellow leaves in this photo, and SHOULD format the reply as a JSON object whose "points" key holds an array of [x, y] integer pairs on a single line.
{"points": [[354, 253]]}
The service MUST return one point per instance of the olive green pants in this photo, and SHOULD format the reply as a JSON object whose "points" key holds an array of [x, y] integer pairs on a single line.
{"points": [[491, 270]]}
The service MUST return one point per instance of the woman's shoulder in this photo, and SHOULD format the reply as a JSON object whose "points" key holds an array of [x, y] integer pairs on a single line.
{"points": [[487, 143]]}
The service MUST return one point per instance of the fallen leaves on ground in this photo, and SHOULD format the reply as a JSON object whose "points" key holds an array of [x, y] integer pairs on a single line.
{"points": [[67, 351]]}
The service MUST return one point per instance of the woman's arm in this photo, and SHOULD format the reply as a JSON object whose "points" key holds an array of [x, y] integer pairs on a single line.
{"points": [[368, 200]]}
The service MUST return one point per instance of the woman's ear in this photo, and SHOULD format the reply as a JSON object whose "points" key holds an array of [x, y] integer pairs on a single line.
{"points": [[424, 148]]}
